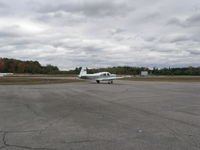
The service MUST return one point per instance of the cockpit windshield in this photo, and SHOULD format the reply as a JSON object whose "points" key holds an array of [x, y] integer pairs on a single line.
{"points": [[106, 74]]}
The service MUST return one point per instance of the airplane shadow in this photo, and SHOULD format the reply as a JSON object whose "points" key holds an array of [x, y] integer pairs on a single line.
{"points": [[105, 83]]}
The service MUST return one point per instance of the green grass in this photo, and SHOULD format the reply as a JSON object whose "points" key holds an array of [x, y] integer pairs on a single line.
{"points": [[42, 75], [30, 81], [166, 78]]}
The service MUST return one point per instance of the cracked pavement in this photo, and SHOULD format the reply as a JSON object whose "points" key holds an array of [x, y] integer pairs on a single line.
{"points": [[89, 116]]}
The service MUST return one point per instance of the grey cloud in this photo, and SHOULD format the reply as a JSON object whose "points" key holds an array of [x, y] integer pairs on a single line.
{"points": [[2, 5], [194, 52], [162, 50], [10, 31], [175, 38], [150, 17], [91, 8], [191, 21], [159, 48], [116, 31], [180, 39], [101, 33], [3, 8], [150, 39], [6, 34], [175, 21], [62, 18]]}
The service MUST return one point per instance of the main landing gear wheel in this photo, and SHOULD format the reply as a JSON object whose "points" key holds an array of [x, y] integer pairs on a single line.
{"points": [[97, 81], [110, 82]]}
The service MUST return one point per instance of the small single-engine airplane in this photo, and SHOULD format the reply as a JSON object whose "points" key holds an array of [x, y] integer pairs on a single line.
{"points": [[101, 76]]}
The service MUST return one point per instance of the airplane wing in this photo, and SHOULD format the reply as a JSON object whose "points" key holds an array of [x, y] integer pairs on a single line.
{"points": [[111, 78]]}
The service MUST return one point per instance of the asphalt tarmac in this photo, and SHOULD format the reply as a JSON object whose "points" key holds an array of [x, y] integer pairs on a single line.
{"points": [[89, 116]]}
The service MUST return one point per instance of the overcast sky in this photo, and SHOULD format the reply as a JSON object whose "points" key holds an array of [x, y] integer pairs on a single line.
{"points": [[101, 33]]}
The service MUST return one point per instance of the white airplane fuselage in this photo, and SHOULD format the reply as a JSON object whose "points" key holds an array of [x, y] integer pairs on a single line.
{"points": [[97, 75], [101, 76]]}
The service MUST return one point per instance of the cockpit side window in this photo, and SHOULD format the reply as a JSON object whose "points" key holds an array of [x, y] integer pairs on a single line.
{"points": [[105, 74]]}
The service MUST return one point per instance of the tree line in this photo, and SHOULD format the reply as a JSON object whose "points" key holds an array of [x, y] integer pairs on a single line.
{"points": [[34, 67], [17, 66], [127, 70], [176, 71]]}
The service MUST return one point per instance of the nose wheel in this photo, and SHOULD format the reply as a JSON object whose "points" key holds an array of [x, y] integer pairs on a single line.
{"points": [[97, 81]]}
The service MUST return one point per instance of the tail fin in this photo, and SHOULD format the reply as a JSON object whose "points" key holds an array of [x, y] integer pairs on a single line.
{"points": [[83, 72]]}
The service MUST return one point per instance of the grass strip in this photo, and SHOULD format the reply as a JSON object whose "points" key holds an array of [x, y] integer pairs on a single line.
{"points": [[30, 81]]}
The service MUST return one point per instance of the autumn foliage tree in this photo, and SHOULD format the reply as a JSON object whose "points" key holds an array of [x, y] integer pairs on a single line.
{"points": [[18, 66], [1, 65]]}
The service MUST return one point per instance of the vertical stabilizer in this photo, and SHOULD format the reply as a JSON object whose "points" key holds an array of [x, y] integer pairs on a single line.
{"points": [[83, 72]]}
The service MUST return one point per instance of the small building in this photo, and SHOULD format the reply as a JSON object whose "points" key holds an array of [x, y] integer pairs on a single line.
{"points": [[144, 73], [5, 74]]}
